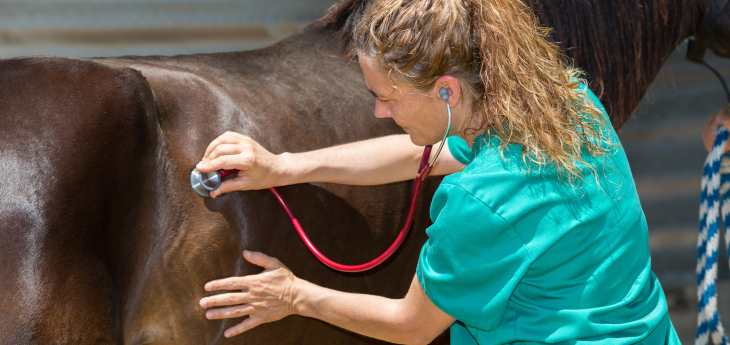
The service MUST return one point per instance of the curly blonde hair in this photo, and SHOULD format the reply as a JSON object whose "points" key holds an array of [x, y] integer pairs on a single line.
{"points": [[520, 85]]}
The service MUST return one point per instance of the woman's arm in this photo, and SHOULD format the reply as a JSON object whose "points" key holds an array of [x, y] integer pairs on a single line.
{"points": [[277, 293], [374, 161], [413, 319]]}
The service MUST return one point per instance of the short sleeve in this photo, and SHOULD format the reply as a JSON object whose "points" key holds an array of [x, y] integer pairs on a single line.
{"points": [[459, 149], [472, 260]]}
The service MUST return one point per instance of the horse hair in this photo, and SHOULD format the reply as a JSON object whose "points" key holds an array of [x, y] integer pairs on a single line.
{"points": [[621, 45]]}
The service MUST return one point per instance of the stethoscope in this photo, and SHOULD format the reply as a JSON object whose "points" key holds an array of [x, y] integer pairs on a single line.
{"points": [[203, 184]]}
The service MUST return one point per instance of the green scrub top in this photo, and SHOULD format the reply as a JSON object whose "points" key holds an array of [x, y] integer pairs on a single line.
{"points": [[518, 255]]}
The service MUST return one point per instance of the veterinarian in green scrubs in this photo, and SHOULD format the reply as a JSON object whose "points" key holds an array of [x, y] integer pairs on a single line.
{"points": [[537, 232], [563, 262]]}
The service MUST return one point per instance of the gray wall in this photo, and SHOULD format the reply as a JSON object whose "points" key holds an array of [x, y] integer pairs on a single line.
{"points": [[140, 27], [662, 140]]}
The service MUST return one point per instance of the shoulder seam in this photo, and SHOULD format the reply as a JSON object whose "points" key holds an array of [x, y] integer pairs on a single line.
{"points": [[510, 227], [476, 198]]}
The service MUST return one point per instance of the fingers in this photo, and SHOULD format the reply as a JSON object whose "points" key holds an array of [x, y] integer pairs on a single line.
{"points": [[710, 129], [227, 284], [262, 260], [723, 118], [232, 185], [225, 138], [228, 144], [228, 162], [224, 150], [267, 297], [225, 299], [244, 326], [229, 312], [725, 112]]}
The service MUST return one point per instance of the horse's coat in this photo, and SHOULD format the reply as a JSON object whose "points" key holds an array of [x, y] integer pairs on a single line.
{"points": [[102, 240]]}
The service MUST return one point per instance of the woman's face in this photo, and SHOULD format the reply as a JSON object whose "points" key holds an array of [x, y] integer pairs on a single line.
{"points": [[421, 114]]}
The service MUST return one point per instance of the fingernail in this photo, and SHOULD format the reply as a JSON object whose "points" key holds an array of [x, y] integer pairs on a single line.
{"points": [[202, 302], [201, 165]]}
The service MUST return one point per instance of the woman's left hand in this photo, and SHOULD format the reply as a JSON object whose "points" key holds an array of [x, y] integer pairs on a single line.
{"points": [[708, 133], [263, 297]]}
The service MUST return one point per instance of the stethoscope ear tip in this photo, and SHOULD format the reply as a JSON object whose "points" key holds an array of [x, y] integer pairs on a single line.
{"points": [[444, 94]]}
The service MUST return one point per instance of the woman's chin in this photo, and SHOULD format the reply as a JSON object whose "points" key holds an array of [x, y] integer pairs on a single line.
{"points": [[417, 140]]}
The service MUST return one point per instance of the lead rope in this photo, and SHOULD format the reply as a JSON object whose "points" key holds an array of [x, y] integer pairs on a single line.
{"points": [[714, 197]]}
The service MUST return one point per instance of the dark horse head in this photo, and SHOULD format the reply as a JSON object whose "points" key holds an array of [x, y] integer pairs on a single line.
{"points": [[101, 238], [621, 45], [714, 31]]}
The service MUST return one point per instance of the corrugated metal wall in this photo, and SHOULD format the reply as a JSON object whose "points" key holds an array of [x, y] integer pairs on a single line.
{"points": [[108, 27]]}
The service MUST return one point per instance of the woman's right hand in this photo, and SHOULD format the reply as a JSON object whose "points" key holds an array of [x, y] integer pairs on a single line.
{"points": [[257, 167], [708, 133]]}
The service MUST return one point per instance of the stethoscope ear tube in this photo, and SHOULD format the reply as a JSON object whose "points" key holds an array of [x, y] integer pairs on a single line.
{"points": [[443, 140]]}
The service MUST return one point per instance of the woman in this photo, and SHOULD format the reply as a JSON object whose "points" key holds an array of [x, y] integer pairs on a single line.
{"points": [[538, 235]]}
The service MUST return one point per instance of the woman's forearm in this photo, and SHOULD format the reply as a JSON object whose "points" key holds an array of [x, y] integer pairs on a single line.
{"points": [[373, 161], [373, 316], [368, 162]]}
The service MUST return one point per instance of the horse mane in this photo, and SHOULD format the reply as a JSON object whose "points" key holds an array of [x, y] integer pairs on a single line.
{"points": [[621, 45]]}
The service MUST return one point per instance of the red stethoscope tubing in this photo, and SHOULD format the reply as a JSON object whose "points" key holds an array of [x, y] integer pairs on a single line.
{"points": [[423, 170]]}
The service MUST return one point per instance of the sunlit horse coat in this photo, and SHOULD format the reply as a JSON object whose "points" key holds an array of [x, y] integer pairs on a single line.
{"points": [[101, 239]]}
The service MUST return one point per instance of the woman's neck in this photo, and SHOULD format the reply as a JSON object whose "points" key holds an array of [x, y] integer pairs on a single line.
{"points": [[469, 128]]}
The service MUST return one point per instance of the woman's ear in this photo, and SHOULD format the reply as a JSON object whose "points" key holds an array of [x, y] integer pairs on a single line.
{"points": [[448, 85]]}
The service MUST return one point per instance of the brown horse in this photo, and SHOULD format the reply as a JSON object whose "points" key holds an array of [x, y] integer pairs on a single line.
{"points": [[102, 241]]}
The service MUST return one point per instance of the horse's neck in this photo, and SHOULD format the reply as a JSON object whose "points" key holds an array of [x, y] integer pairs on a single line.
{"points": [[621, 44]]}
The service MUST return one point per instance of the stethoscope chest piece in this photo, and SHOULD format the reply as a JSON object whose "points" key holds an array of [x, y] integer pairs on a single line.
{"points": [[204, 183]]}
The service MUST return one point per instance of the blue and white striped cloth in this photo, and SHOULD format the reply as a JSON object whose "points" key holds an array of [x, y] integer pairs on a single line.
{"points": [[713, 199]]}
